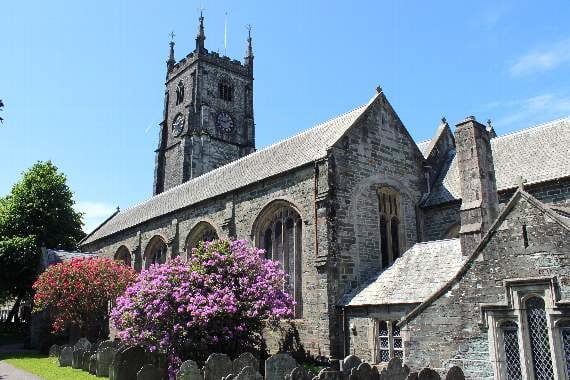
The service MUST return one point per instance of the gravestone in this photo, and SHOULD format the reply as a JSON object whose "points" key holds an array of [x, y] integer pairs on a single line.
{"points": [[189, 370], [412, 376], [248, 373], [278, 366], [330, 374], [455, 373], [244, 360], [104, 360], [54, 350], [93, 364], [76, 359], [395, 370], [149, 372], [350, 362], [83, 344], [127, 363], [85, 360], [299, 373], [217, 366], [66, 356], [364, 372], [228, 377], [428, 374]]}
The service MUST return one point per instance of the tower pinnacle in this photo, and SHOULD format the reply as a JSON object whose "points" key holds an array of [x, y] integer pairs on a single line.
{"points": [[171, 61], [249, 51], [201, 37]]}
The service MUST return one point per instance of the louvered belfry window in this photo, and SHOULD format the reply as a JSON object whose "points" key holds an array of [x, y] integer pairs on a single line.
{"points": [[539, 340], [512, 351], [389, 225]]}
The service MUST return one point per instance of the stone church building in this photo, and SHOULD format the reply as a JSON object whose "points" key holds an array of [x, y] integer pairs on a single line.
{"points": [[452, 251]]}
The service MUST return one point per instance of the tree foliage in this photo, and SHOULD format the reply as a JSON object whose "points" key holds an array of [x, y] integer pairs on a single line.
{"points": [[218, 301], [41, 205], [17, 258], [77, 292]]}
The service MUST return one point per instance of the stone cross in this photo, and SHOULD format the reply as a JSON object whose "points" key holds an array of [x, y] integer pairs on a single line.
{"points": [[520, 182]]}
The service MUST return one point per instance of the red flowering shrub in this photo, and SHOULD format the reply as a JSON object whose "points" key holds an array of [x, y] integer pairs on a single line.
{"points": [[78, 292]]}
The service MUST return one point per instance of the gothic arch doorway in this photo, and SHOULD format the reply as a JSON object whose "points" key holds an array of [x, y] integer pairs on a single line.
{"points": [[279, 230]]}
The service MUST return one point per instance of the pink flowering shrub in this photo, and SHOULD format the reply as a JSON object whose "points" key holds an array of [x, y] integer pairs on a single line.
{"points": [[218, 301]]}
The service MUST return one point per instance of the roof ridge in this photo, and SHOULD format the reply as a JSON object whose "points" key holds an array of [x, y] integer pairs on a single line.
{"points": [[537, 126]]}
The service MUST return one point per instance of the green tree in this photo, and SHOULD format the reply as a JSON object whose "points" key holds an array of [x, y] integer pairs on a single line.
{"points": [[38, 212]]}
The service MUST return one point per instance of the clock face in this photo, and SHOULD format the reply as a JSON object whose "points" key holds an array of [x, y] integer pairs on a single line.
{"points": [[224, 122], [178, 124]]}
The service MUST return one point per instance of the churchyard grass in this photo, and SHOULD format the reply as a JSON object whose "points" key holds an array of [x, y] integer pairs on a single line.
{"points": [[45, 367]]}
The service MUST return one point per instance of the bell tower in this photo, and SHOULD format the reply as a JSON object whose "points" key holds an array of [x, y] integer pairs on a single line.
{"points": [[208, 114]]}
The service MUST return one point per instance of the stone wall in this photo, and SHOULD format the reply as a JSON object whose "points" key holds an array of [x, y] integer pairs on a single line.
{"points": [[376, 152], [553, 192], [438, 220], [448, 331]]}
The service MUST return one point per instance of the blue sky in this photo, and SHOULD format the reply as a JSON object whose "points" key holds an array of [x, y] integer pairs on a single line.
{"points": [[82, 81]]}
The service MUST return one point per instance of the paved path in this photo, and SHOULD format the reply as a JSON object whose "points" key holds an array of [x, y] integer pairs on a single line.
{"points": [[9, 372]]}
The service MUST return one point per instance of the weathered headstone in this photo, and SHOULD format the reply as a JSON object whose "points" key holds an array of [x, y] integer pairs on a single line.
{"points": [[279, 365], [93, 364], [330, 374], [364, 372], [248, 373], [76, 360], [428, 374], [350, 362], [66, 356], [149, 372], [104, 359], [244, 360], [395, 370], [228, 377], [217, 366], [455, 373], [85, 360], [412, 376], [189, 370], [128, 362], [107, 343], [54, 350], [83, 344], [299, 373]]}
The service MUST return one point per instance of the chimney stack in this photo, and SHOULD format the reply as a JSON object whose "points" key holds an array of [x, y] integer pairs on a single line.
{"points": [[479, 200]]}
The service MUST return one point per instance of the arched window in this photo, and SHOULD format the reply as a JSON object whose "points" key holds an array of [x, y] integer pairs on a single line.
{"points": [[225, 91], [203, 231], [511, 350], [539, 339], [390, 226], [155, 252], [278, 230], [123, 255], [179, 93]]}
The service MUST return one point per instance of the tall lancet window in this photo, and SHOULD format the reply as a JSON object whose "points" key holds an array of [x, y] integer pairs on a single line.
{"points": [[278, 230], [389, 225], [539, 339]]}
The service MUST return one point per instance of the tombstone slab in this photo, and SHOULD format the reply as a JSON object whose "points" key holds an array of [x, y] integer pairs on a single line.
{"points": [[128, 362], [330, 374], [83, 344], [364, 372], [149, 372], [85, 360], [428, 374], [66, 356], [244, 360], [189, 370], [105, 358], [54, 350], [395, 370], [299, 373], [350, 362], [76, 359], [93, 364], [217, 366], [248, 373], [278, 366], [455, 373]]}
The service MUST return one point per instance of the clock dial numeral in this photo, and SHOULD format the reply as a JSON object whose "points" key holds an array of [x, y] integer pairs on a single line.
{"points": [[178, 124], [224, 122]]}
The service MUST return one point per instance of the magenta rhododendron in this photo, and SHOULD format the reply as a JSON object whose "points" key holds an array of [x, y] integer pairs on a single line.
{"points": [[78, 292], [217, 301]]}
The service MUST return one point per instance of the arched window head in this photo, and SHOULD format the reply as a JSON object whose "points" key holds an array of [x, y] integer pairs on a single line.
{"points": [[155, 252], [278, 230], [539, 339], [123, 255], [390, 228], [179, 93], [203, 231]]}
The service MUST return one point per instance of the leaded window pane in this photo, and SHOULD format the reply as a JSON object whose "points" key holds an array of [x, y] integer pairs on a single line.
{"points": [[539, 340], [384, 356], [512, 352], [566, 347]]}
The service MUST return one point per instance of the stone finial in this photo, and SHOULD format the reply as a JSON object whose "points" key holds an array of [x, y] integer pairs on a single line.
{"points": [[444, 120], [249, 50], [470, 118], [520, 182], [378, 89], [171, 61], [490, 129], [201, 37]]}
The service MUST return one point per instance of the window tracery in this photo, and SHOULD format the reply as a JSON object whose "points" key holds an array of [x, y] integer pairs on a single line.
{"points": [[179, 93], [155, 252], [203, 231], [390, 226]]}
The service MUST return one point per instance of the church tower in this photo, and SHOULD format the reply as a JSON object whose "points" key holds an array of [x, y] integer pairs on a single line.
{"points": [[208, 114]]}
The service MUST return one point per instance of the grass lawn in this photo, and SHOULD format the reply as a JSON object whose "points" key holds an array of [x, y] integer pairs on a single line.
{"points": [[44, 367]]}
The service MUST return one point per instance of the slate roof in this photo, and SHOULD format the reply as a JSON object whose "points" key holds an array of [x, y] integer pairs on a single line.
{"points": [[415, 276], [301, 149], [539, 154], [423, 147], [53, 256]]}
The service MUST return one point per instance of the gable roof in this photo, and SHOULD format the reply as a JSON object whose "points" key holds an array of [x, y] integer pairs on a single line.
{"points": [[562, 221], [55, 256], [538, 153], [413, 277], [296, 151]]}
